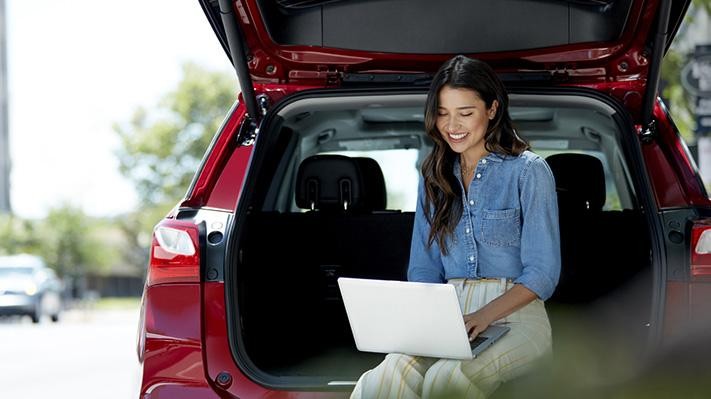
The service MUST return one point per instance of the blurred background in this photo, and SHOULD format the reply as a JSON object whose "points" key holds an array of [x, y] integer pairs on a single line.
{"points": [[106, 109]]}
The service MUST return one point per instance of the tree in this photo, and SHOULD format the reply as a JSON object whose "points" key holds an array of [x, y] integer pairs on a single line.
{"points": [[72, 243], [161, 150], [68, 240], [18, 236]]}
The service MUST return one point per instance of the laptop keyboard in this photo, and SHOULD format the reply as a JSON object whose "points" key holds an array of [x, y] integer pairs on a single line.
{"points": [[477, 341]]}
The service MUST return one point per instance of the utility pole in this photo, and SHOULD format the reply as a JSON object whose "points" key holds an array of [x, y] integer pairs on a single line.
{"points": [[4, 127]]}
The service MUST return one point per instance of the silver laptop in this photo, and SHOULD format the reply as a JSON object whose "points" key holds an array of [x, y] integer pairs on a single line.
{"points": [[420, 319]]}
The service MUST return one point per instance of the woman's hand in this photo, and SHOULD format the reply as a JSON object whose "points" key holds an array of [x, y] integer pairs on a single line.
{"points": [[512, 300], [476, 322]]}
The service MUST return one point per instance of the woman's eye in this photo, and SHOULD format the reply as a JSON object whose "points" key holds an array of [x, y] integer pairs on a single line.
{"points": [[441, 114], [469, 114]]}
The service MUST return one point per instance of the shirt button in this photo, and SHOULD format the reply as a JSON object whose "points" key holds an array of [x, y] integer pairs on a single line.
{"points": [[478, 175], [471, 259], [483, 161], [467, 230], [471, 202]]}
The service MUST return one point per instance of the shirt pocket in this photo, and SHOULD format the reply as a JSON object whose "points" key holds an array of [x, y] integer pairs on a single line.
{"points": [[501, 228]]}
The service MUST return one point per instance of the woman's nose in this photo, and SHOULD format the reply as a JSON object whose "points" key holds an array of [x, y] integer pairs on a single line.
{"points": [[452, 126]]}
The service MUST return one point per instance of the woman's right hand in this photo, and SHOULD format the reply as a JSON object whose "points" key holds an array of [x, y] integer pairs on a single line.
{"points": [[476, 322]]}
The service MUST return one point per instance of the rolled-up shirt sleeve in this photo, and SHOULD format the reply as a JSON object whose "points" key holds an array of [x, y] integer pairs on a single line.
{"points": [[425, 261], [540, 232]]}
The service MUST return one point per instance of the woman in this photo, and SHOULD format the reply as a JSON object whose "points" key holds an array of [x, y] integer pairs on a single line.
{"points": [[486, 222]]}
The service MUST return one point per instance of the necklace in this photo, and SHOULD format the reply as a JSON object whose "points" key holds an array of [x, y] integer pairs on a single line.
{"points": [[466, 170]]}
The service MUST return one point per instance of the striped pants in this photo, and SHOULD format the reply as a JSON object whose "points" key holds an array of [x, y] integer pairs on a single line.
{"points": [[404, 376]]}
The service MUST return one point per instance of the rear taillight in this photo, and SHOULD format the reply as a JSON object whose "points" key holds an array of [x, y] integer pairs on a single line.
{"points": [[701, 248], [175, 253]]}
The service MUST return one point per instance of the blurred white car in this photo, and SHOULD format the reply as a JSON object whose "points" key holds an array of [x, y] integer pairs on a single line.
{"points": [[29, 287]]}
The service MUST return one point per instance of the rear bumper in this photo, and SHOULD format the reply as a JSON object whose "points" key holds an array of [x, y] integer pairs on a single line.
{"points": [[180, 391], [170, 347]]}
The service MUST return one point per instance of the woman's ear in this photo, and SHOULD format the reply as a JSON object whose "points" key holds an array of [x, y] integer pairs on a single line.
{"points": [[492, 109]]}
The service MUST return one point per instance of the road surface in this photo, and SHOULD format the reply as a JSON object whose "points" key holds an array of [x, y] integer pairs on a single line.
{"points": [[88, 354]]}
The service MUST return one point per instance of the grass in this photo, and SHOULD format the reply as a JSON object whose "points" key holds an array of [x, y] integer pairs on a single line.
{"points": [[117, 303]]}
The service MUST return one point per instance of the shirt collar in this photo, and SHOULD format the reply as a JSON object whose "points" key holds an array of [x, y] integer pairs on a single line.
{"points": [[492, 157]]}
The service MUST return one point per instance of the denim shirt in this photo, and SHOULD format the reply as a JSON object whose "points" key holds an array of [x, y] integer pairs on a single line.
{"points": [[509, 227]]}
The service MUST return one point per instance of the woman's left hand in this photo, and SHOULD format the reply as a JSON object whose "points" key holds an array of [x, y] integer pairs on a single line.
{"points": [[476, 322]]}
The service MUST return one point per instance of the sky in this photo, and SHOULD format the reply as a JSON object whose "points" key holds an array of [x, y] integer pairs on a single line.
{"points": [[75, 68]]}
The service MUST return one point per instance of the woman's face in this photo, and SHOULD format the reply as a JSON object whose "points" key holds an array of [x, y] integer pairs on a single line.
{"points": [[463, 119]]}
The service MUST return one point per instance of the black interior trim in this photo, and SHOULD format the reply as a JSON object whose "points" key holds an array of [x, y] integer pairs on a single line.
{"points": [[427, 27]]}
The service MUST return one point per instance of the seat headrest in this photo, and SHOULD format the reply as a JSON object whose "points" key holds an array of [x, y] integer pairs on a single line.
{"points": [[337, 182], [579, 181]]}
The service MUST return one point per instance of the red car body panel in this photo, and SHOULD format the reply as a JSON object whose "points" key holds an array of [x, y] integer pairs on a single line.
{"points": [[674, 178], [686, 310], [222, 149], [172, 353]]}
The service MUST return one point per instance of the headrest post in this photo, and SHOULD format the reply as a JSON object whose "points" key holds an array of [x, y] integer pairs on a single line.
{"points": [[312, 192], [346, 193]]}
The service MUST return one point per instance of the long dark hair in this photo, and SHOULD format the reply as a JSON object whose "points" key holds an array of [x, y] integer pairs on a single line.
{"points": [[443, 193]]}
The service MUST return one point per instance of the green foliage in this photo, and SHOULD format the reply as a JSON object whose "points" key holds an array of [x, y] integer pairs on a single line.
{"points": [[18, 236], [161, 149], [72, 242], [68, 240], [704, 4]]}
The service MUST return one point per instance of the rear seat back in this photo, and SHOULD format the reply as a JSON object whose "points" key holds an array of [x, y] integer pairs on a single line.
{"points": [[295, 259], [349, 215], [600, 250]]}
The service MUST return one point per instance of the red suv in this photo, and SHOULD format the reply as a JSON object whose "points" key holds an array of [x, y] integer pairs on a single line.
{"points": [[313, 176]]}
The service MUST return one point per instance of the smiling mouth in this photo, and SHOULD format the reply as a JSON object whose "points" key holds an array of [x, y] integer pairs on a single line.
{"points": [[457, 136]]}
